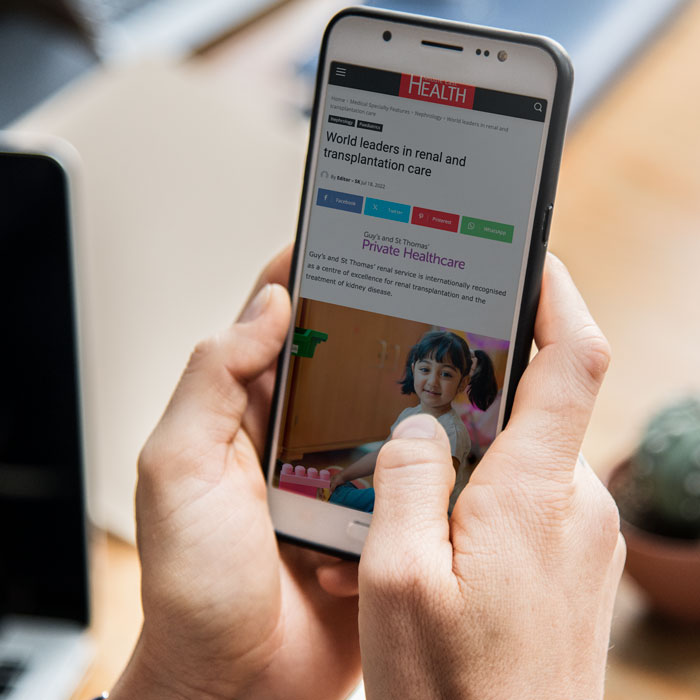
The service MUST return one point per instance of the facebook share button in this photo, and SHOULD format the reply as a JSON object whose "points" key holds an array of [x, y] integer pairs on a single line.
{"points": [[339, 200]]}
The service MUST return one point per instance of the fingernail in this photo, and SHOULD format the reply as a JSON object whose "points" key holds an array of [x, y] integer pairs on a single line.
{"points": [[420, 426], [257, 306]]}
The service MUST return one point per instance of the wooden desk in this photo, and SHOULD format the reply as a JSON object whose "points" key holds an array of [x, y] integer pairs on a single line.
{"points": [[627, 223], [116, 611]]}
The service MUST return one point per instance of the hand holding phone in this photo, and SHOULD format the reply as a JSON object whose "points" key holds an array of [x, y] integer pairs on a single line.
{"points": [[513, 596], [228, 613]]}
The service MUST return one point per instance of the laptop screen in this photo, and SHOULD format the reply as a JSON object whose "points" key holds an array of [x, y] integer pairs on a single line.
{"points": [[42, 532]]}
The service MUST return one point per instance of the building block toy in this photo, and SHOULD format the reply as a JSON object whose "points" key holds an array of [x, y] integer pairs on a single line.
{"points": [[303, 481], [306, 340]]}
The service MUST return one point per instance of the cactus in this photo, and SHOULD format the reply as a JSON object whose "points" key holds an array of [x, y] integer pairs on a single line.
{"points": [[664, 474]]}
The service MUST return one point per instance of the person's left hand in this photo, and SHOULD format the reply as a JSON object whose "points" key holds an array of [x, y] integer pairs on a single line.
{"points": [[226, 612]]}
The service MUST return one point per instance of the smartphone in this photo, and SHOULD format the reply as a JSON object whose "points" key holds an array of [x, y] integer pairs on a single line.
{"points": [[428, 193]]}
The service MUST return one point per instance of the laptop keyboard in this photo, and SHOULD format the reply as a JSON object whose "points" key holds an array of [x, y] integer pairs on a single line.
{"points": [[10, 671]]}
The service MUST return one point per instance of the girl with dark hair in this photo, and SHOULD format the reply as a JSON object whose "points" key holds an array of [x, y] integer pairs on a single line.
{"points": [[439, 367]]}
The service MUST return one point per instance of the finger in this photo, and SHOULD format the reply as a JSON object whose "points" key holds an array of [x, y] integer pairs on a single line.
{"points": [[256, 418], [335, 576], [275, 272], [260, 391], [409, 532], [338, 579], [556, 394], [618, 564], [210, 400], [612, 583]]}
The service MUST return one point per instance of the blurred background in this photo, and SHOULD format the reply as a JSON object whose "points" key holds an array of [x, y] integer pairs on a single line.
{"points": [[190, 118]]}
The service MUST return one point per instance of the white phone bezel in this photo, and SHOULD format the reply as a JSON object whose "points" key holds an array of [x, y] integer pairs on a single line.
{"points": [[356, 39]]}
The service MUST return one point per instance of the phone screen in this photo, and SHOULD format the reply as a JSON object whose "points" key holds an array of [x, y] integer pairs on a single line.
{"points": [[411, 274]]}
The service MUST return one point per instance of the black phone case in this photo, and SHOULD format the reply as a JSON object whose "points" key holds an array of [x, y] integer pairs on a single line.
{"points": [[543, 209]]}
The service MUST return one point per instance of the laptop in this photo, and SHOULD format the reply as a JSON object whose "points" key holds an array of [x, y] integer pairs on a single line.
{"points": [[128, 29], [44, 604], [46, 45]]}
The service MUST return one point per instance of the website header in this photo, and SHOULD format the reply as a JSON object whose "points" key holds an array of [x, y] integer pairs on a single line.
{"points": [[442, 92]]}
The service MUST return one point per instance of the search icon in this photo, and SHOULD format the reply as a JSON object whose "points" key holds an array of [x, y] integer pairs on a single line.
{"points": [[538, 106]]}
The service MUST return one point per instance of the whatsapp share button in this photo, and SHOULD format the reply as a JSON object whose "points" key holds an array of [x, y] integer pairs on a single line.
{"points": [[486, 229]]}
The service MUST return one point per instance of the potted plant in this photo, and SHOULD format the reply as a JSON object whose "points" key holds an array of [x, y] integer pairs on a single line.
{"points": [[658, 493]]}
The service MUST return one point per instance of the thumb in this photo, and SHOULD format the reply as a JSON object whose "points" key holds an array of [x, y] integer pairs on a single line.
{"points": [[412, 480], [209, 402]]}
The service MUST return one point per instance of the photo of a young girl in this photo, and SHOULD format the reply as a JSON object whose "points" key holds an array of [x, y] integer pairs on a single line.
{"points": [[439, 367], [365, 374]]}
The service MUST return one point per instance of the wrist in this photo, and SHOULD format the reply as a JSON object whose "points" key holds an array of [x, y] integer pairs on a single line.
{"points": [[147, 676]]}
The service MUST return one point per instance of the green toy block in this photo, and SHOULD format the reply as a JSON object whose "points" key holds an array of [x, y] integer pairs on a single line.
{"points": [[305, 341]]}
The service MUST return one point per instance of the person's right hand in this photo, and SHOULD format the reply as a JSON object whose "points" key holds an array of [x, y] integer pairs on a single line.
{"points": [[512, 597]]}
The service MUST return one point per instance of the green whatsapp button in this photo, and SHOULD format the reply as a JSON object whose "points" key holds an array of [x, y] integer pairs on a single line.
{"points": [[486, 229]]}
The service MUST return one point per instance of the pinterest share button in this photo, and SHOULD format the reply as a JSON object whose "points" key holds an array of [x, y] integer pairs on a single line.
{"points": [[435, 219]]}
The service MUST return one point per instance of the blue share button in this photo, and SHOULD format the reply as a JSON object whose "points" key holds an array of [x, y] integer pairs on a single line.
{"points": [[339, 200], [387, 210]]}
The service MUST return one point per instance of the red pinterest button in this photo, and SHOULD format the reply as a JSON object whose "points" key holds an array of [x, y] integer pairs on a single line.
{"points": [[435, 219]]}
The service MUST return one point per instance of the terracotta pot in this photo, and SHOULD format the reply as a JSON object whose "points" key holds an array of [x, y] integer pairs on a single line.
{"points": [[667, 569]]}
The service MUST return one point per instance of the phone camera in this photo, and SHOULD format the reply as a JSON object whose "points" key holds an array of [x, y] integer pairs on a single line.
{"points": [[502, 55], [386, 36]]}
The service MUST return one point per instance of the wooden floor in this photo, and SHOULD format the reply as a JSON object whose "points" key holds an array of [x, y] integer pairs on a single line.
{"points": [[627, 223]]}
